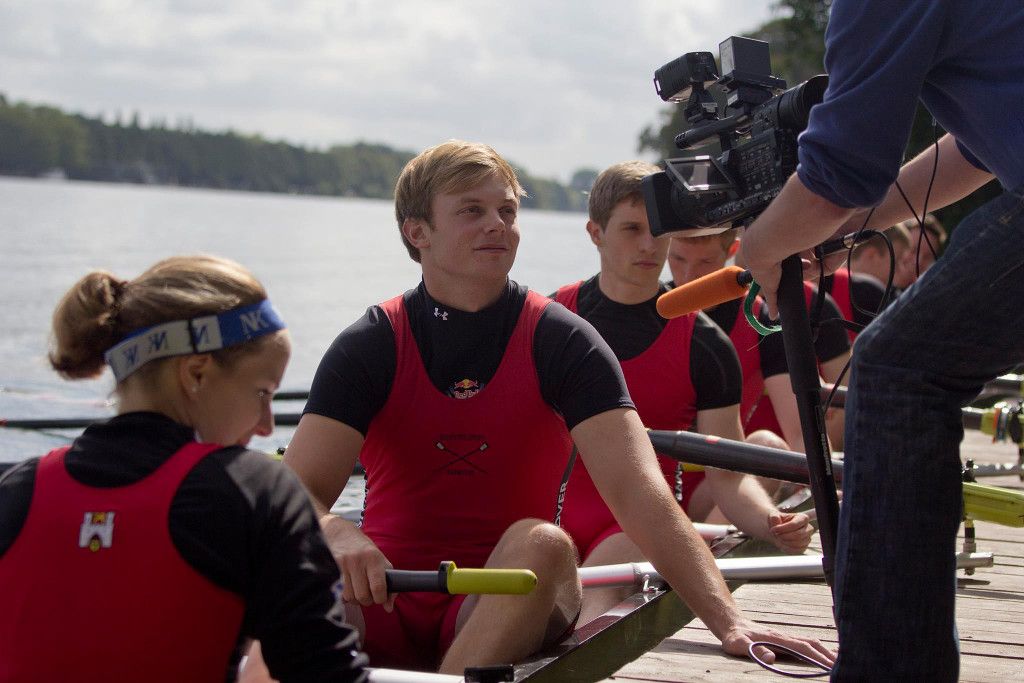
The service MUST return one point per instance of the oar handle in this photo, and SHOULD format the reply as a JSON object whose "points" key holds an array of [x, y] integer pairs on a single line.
{"points": [[454, 581]]}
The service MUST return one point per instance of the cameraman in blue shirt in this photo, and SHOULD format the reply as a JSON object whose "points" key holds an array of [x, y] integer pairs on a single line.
{"points": [[930, 352]]}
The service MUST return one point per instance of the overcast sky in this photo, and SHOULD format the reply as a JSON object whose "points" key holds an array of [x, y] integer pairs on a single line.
{"points": [[552, 85]]}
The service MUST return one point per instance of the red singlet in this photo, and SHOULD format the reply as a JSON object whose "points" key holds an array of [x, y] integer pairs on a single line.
{"points": [[98, 592], [745, 340], [764, 414], [660, 386], [447, 476], [842, 292]]}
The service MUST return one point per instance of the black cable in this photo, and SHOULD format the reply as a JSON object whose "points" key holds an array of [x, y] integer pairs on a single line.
{"points": [[775, 647]]}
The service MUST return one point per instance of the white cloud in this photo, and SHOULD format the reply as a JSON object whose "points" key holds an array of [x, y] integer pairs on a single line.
{"points": [[552, 85]]}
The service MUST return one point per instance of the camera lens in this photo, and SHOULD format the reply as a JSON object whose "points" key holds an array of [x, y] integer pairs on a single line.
{"points": [[795, 104]]}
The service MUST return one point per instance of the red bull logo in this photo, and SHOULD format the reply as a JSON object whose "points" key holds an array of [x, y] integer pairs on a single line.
{"points": [[464, 388]]}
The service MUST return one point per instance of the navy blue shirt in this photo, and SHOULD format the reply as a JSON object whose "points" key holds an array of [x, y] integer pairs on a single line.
{"points": [[964, 59]]}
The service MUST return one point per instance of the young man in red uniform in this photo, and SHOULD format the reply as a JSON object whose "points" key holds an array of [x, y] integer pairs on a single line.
{"points": [[859, 290], [763, 359], [681, 373], [459, 397], [922, 252]]}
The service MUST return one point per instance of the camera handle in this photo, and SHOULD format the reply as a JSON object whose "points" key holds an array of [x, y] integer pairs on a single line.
{"points": [[803, 375], [689, 138]]}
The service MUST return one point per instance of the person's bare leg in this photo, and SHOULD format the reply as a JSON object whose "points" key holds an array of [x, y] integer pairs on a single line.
{"points": [[503, 629], [616, 549], [702, 504], [774, 487]]}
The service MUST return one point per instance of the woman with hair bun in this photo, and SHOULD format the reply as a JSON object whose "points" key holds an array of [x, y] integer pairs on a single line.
{"points": [[156, 545]]}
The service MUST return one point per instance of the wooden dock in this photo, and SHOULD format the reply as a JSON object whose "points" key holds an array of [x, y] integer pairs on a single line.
{"points": [[990, 611]]}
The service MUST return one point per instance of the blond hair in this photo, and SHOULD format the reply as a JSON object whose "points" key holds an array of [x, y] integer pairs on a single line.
{"points": [[100, 309], [448, 167], [615, 184]]}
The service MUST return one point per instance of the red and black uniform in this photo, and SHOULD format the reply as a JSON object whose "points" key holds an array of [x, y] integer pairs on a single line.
{"points": [[859, 297], [669, 380], [137, 549], [830, 343], [466, 419], [760, 357]]}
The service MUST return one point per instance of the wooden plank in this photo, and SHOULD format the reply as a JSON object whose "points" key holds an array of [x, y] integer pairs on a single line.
{"points": [[990, 610]]}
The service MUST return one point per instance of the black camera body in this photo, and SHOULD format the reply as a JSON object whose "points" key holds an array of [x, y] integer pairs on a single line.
{"points": [[756, 121]]}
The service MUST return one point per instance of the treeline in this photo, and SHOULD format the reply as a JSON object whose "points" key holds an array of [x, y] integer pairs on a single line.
{"points": [[41, 140]]}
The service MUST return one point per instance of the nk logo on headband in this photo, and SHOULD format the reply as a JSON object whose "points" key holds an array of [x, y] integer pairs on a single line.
{"points": [[253, 322]]}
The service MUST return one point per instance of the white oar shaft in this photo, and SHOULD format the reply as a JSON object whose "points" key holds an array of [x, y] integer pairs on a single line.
{"points": [[740, 568], [400, 676]]}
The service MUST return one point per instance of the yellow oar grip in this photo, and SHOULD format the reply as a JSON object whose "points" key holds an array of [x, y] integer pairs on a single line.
{"points": [[490, 581], [993, 504]]}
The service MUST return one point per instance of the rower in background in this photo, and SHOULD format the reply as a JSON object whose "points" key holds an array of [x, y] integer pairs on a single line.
{"points": [[923, 250], [459, 398], [762, 360], [859, 290], [832, 352], [681, 373], [156, 545]]}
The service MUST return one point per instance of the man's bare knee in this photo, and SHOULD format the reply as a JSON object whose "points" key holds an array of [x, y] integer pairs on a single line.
{"points": [[540, 544], [764, 437]]}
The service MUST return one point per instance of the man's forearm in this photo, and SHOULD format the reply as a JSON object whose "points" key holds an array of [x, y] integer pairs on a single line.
{"points": [[338, 531], [743, 501], [798, 219], [618, 454], [955, 178], [667, 538]]}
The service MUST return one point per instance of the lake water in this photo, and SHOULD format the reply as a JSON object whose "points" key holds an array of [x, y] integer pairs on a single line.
{"points": [[323, 260]]}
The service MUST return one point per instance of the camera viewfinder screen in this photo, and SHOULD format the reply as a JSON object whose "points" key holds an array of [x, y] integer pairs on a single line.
{"points": [[699, 174]]}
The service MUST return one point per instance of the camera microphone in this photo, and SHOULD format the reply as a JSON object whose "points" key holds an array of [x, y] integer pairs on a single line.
{"points": [[704, 292], [732, 282]]}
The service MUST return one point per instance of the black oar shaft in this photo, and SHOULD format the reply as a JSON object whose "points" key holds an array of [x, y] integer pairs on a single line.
{"points": [[280, 419], [737, 456]]}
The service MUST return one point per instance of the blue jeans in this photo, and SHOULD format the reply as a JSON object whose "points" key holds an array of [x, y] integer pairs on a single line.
{"points": [[913, 369]]}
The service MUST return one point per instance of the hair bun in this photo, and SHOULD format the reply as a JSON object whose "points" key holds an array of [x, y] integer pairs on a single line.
{"points": [[85, 325]]}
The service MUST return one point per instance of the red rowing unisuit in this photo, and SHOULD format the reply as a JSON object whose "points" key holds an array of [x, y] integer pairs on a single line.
{"points": [[745, 340], [659, 384], [842, 293], [447, 476], [98, 592], [764, 414]]}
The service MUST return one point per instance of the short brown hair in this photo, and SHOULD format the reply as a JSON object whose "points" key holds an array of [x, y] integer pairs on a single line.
{"points": [[724, 238], [447, 167], [932, 224], [616, 183], [100, 309]]}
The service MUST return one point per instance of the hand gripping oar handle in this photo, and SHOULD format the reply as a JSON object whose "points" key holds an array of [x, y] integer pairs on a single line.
{"points": [[449, 579]]}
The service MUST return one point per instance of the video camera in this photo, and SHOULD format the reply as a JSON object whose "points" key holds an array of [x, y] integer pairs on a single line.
{"points": [[757, 124]]}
